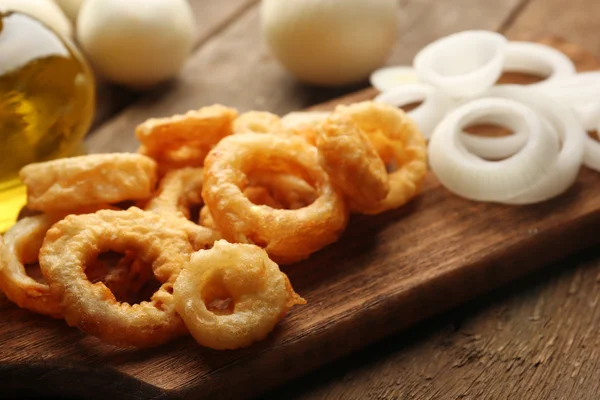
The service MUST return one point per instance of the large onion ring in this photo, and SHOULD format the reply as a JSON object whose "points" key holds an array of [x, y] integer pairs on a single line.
{"points": [[477, 179], [462, 64], [287, 235], [403, 142], [185, 140], [72, 242], [426, 115], [538, 59], [253, 294], [352, 163], [75, 182]]}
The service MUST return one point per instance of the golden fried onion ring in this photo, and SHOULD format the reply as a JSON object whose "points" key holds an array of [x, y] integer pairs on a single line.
{"points": [[185, 140], [92, 307], [347, 155], [178, 191], [232, 295], [75, 182], [409, 149], [287, 235], [257, 122], [21, 245]]}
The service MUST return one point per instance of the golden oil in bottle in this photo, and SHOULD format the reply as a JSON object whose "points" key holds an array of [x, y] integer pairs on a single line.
{"points": [[46, 103]]}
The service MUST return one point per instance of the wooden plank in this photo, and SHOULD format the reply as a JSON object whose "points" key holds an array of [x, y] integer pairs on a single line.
{"points": [[211, 17], [385, 273], [236, 68], [537, 340]]}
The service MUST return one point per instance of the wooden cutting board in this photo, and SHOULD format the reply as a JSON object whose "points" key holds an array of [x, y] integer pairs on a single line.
{"points": [[386, 273]]}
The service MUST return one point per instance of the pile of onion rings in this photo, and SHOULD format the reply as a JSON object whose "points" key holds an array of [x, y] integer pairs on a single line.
{"points": [[454, 79], [184, 236]]}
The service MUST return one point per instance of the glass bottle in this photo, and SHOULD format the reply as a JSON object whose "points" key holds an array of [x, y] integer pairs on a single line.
{"points": [[46, 103]]}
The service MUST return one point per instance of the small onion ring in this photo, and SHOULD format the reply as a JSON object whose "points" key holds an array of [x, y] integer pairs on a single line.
{"points": [[580, 92], [75, 182], [538, 59], [255, 292], [21, 245], [72, 242], [185, 140], [391, 130], [287, 235], [562, 121], [477, 179], [591, 157], [354, 166], [386, 78], [494, 148], [463, 64], [426, 115]]}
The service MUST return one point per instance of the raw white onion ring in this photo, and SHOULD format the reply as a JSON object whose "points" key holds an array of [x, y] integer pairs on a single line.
{"points": [[463, 64], [476, 179], [538, 59], [429, 113], [581, 91], [494, 148], [591, 155], [389, 77]]}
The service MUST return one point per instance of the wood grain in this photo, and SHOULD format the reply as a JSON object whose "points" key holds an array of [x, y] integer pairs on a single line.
{"points": [[385, 273], [236, 68], [211, 17]]}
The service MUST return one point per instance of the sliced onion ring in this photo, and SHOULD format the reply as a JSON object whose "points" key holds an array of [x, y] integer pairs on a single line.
{"points": [[494, 148], [463, 64], [389, 77], [591, 155], [538, 59], [581, 91], [471, 177], [428, 114], [561, 120]]}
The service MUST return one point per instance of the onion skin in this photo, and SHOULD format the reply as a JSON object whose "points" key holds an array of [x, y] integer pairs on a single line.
{"points": [[333, 42]]}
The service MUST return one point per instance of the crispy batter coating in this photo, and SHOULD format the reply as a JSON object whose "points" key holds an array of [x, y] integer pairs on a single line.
{"points": [[257, 122], [75, 182], [409, 149], [353, 164], [287, 235], [92, 307], [232, 295], [185, 140]]}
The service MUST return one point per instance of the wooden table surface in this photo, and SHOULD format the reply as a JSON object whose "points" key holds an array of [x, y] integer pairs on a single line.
{"points": [[536, 339]]}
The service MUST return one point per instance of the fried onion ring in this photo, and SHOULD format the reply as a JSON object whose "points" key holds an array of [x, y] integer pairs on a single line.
{"points": [[348, 156], [185, 140], [92, 307], [409, 149], [75, 182], [257, 122], [21, 245], [287, 235], [180, 190], [232, 295]]}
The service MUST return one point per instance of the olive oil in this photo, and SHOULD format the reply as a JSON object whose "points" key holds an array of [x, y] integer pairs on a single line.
{"points": [[46, 103]]}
